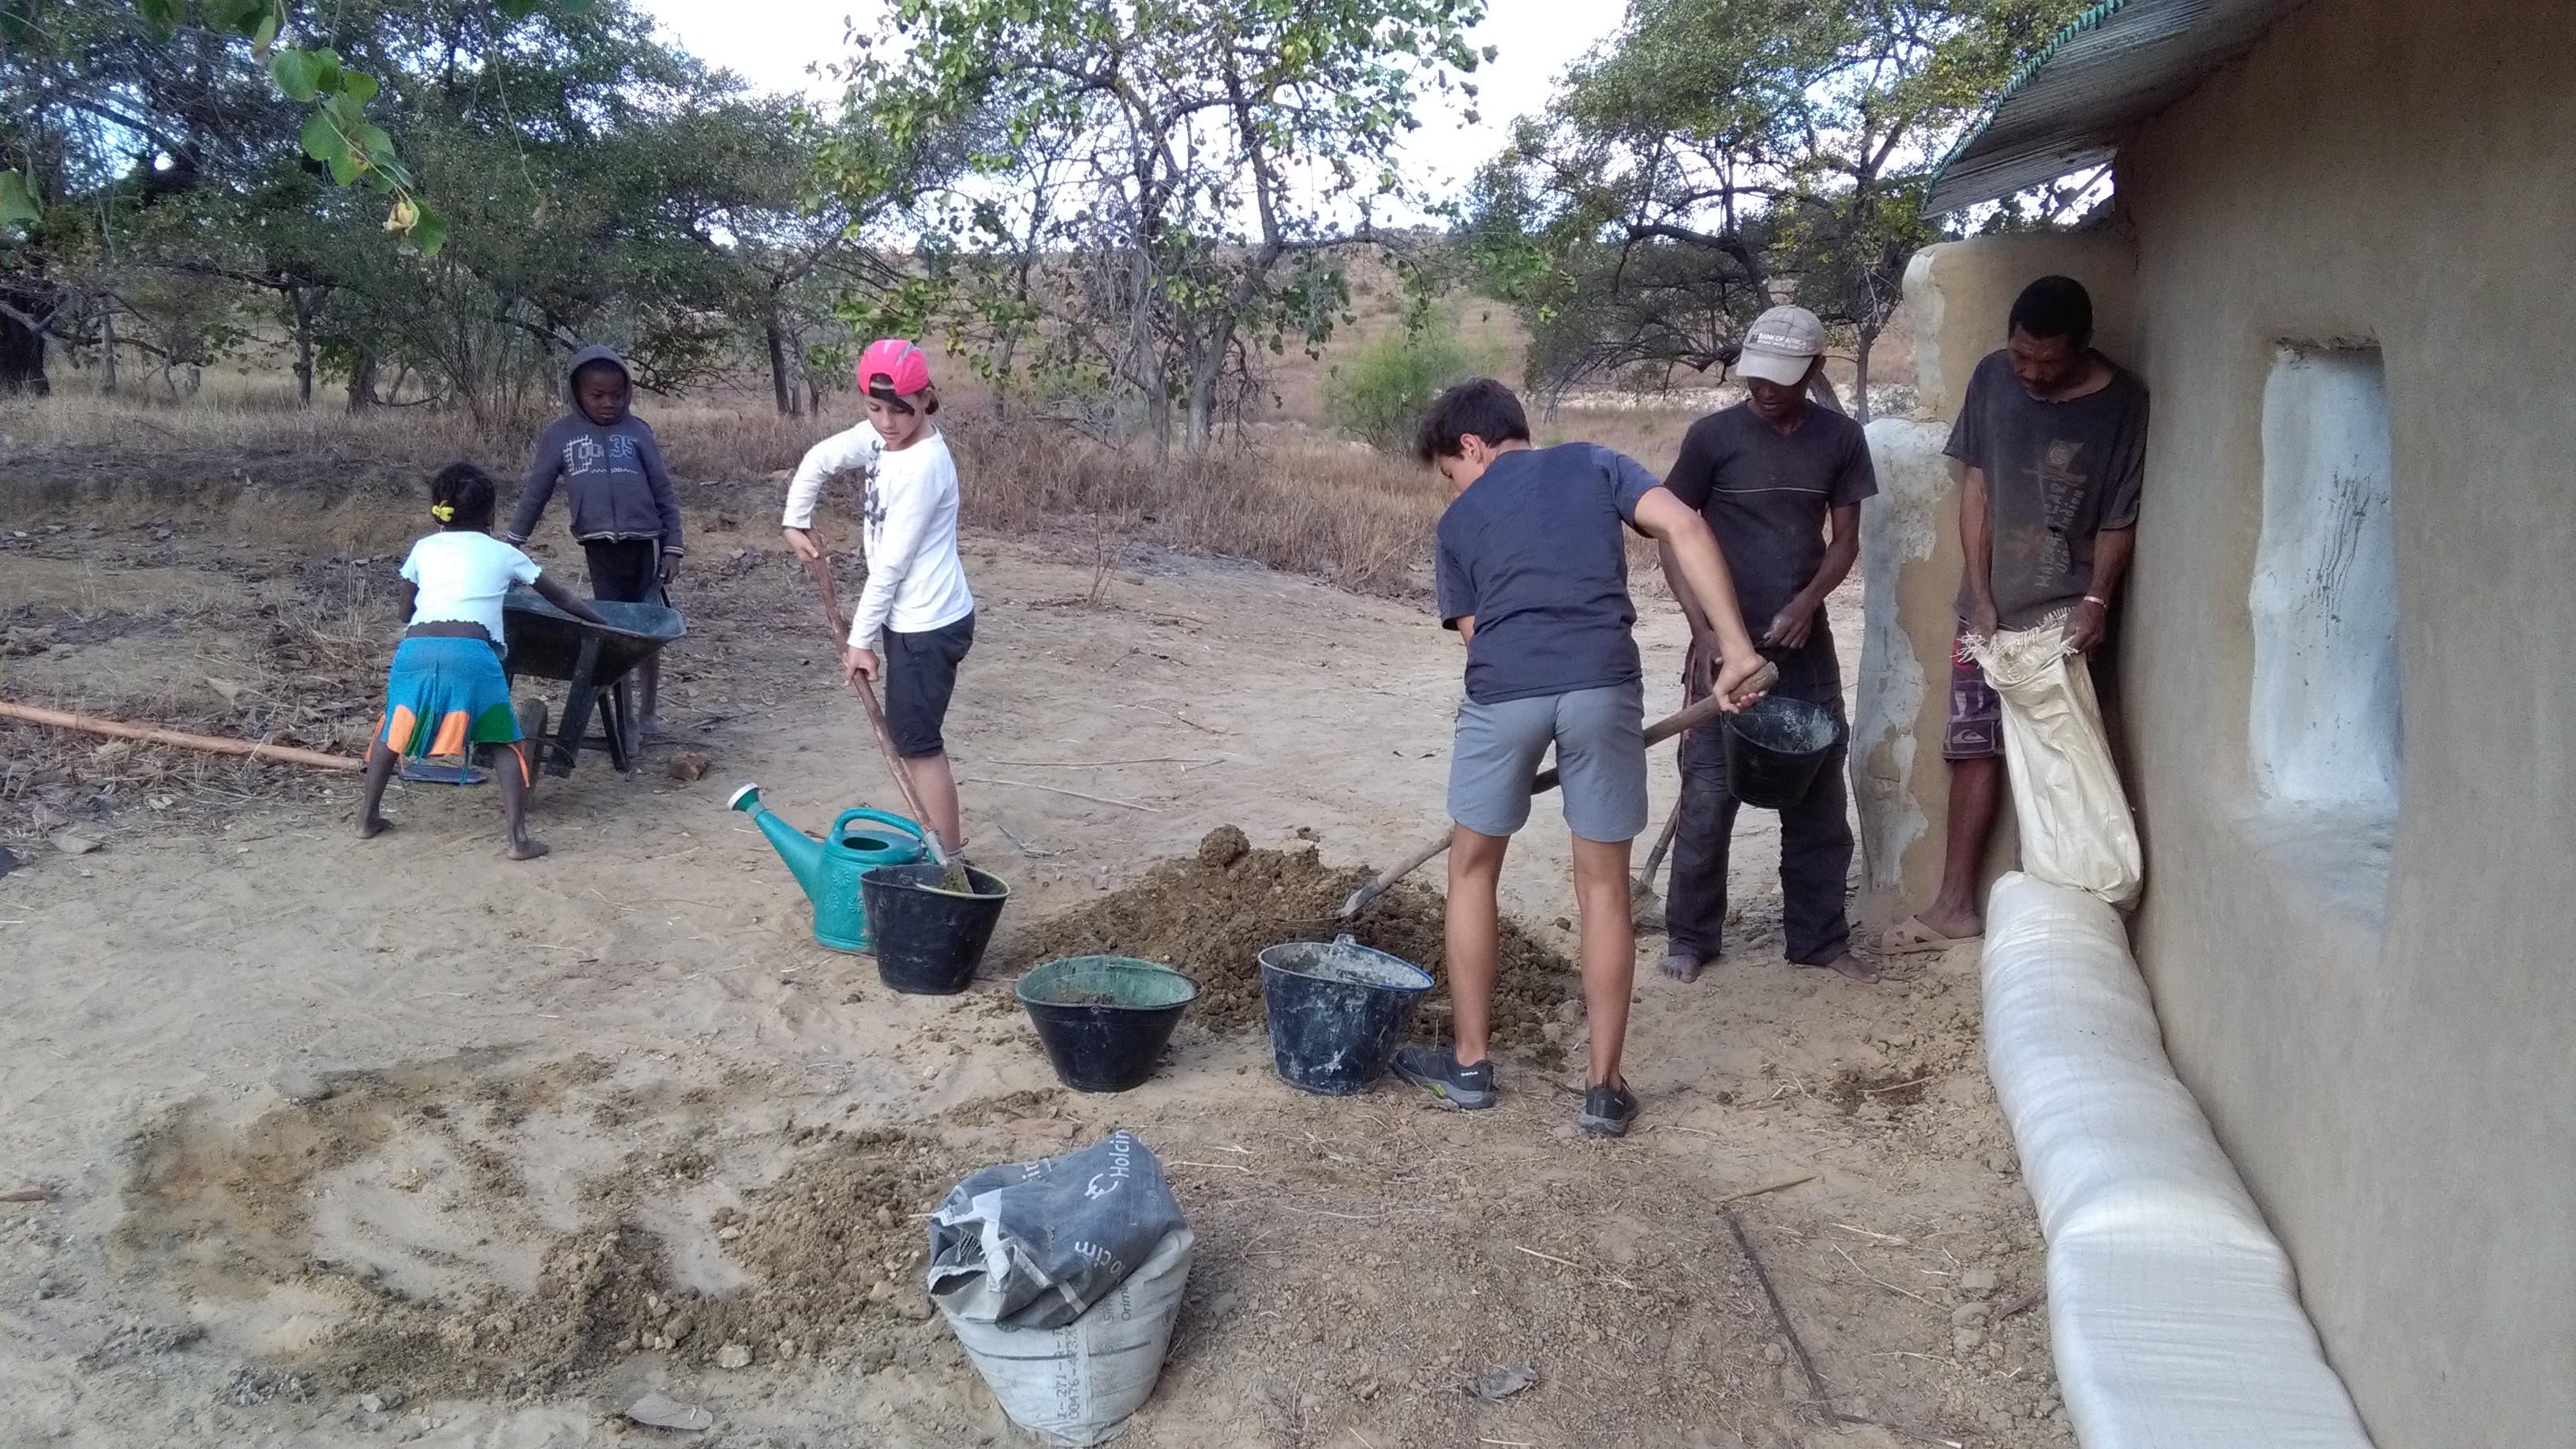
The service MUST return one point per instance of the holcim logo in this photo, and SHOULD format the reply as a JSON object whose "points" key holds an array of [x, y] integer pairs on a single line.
{"points": [[1122, 1150]]}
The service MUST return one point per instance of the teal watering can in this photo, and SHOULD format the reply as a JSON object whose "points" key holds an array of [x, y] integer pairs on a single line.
{"points": [[829, 868]]}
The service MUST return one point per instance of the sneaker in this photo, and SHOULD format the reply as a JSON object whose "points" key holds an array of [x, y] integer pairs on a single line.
{"points": [[1436, 1070], [1608, 1109]]}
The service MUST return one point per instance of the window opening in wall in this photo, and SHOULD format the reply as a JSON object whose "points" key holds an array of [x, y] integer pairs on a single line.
{"points": [[2325, 734]]}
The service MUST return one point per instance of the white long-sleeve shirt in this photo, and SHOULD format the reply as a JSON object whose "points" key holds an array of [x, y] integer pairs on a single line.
{"points": [[915, 582]]}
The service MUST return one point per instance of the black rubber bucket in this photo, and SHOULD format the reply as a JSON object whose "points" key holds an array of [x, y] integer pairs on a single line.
{"points": [[928, 939], [1774, 746], [1337, 1012], [1104, 1020]]}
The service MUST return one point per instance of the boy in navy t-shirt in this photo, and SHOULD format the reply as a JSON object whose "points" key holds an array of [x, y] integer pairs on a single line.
{"points": [[1533, 573]]}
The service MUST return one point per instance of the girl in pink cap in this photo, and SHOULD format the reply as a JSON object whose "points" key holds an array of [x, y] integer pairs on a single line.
{"points": [[916, 617]]}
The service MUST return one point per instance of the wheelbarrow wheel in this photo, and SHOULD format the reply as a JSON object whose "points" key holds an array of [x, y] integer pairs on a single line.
{"points": [[532, 739]]}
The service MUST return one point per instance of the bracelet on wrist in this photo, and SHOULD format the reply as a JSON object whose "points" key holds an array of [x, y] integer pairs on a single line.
{"points": [[2097, 599]]}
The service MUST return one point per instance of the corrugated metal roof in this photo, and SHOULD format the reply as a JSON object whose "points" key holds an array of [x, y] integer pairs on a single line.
{"points": [[2119, 63]]}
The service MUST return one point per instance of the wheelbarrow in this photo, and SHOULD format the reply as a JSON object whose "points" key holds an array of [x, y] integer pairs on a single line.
{"points": [[543, 642]]}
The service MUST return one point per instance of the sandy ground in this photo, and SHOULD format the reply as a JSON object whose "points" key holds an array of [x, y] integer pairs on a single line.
{"points": [[307, 1141]]}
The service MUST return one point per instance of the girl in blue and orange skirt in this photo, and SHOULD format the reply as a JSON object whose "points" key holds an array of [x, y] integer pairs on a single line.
{"points": [[446, 692]]}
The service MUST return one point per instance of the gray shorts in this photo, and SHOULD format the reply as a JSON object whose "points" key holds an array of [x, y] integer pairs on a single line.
{"points": [[1600, 739]]}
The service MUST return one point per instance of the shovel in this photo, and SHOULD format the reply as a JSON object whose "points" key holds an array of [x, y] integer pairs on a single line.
{"points": [[1645, 905], [1656, 733], [821, 571]]}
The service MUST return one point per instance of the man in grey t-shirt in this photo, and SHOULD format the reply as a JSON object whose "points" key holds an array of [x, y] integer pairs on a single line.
{"points": [[1780, 480], [2054, 439]]}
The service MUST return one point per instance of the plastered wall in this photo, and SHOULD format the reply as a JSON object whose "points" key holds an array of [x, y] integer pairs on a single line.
{"points": [[2387, 1049], [2400, 1094]]}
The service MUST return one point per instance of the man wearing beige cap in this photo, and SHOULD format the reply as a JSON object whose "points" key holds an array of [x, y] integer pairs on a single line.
{"points": [[1780, 480]]}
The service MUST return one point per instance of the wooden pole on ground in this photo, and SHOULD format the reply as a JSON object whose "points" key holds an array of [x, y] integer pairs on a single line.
{"points": [[181, 739]]}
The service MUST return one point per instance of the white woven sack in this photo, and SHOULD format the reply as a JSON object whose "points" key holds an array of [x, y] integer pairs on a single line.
{"points": [[2067, 800], [2174, 1316], [1077, 1384]]}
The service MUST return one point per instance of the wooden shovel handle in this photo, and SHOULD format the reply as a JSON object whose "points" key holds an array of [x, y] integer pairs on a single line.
{"points": [[819, 568], [1656, 733]]}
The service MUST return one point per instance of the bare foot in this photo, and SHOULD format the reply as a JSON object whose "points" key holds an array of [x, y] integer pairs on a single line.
{"points": [[528, 847], [1960, 925], [1682, 965], [1848, 965], [373, 826]]}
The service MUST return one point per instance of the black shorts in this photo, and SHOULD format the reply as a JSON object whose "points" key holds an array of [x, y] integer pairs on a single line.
{"points": [[920, 675], [625, 570], [1976, 727]]}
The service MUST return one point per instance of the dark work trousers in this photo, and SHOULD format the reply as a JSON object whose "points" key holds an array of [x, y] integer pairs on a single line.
{"points": [[1815, 834]]}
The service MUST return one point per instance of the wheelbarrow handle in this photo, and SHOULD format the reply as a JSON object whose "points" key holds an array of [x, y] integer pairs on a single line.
{"points": [[1656, 733]]}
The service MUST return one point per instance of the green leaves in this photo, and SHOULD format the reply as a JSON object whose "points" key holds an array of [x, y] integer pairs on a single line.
{"points": [[1721, 151], [428, 230], [1205, 153], [302, 75], [336, 132], [259, 20], [18, 205], [161, 17], [324, 143], [518, 10]]}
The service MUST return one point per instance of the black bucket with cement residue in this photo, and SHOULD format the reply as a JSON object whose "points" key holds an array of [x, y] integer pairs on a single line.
{"points": [[929, 938], [1336, 1012], [1774, 746]]}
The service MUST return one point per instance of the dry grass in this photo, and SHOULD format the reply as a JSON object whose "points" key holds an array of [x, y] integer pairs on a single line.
{"points": [[1332, 510], [1300, 503], [1296, 499], [140, 432]]}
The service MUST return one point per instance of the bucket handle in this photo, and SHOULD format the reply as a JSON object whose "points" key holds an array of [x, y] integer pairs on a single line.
{"points": [[878, 816]]}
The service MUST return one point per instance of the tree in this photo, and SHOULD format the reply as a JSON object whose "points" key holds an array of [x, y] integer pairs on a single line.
{"points": [[606, 188], [1718, 154], [793, 247], [1201, 159]]}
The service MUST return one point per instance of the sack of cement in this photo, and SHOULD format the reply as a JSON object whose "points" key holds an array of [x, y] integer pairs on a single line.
{"points": [[1062, 1279], [2067, 801]]}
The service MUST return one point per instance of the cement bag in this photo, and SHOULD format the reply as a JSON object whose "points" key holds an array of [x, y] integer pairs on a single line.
{"points": [[1062, 1278], [1077, 1384], [2174, 1316], [2067, 800]]}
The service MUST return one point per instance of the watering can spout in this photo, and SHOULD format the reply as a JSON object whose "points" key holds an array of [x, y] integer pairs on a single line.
{"points": [[802, 852]]}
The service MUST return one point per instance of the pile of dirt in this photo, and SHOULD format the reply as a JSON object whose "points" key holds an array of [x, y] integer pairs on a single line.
{"points": [[834, 1249], [1211, 913]]}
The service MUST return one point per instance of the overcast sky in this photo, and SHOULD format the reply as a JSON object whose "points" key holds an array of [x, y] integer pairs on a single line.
{"points": [[772, 42]]}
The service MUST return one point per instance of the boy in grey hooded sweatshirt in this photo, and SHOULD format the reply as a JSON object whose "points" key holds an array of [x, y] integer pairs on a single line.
{"points": [[625, 514]]}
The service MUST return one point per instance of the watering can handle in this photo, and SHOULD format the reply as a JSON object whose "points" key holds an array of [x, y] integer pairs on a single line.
{"points": [[879, 816]]}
